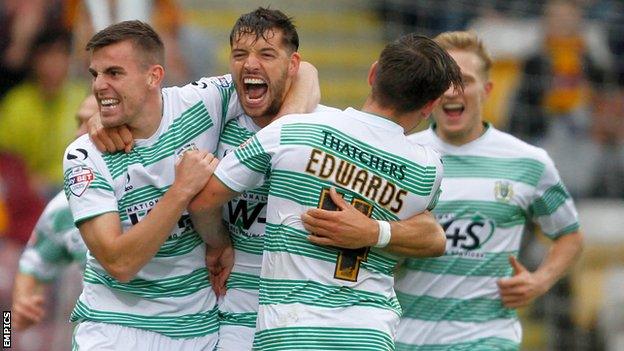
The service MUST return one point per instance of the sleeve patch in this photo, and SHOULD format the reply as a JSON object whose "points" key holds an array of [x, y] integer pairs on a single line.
{"points": [[79, 178]]}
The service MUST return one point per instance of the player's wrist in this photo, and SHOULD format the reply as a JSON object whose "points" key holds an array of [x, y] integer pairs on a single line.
{"points": [[384, 235]]}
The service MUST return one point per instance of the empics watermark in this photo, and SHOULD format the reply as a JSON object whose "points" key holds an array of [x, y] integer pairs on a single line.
{"points": [[6, 329]]}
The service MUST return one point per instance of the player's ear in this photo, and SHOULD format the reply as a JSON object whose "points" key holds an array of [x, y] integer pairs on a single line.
{"points": [[372, 73], [155, 76], [429, 106], [293, 64]]}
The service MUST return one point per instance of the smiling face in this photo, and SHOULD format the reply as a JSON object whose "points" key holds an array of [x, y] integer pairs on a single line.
{"points": [[458, 117], [121, 83], [263, 69]]}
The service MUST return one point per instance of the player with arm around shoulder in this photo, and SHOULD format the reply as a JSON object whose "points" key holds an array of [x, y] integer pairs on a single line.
{"points": [[145, 282], [313, 296]]}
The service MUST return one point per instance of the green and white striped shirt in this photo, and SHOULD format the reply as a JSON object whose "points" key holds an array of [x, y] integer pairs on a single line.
{"points": [[316, 297], [55, 242], [171, 294], [245, 217], [492, 187]]}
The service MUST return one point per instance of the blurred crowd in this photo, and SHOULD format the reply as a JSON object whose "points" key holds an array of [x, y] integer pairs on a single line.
{"points": [[559, 71]]}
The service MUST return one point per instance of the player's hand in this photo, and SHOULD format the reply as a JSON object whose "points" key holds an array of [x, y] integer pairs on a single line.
{"points": [[109, 139], [346, 228], [192, 172], [219, 262], [522, 288], [27, 311]]}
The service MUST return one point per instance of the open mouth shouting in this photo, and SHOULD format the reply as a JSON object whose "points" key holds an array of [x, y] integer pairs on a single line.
{"points": [[255, 90]]}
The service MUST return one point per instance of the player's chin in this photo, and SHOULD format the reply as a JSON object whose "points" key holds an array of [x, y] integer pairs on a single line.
{"points": [[255, 110]]}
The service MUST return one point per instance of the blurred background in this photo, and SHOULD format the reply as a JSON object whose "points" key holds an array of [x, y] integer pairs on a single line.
{"points": [[559, 84]]}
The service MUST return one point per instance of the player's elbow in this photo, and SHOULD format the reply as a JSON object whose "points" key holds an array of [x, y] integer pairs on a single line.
{"points": [[120, 272]]}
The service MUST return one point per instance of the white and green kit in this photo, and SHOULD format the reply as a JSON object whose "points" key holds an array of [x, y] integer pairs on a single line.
{"points": [[171, 294], [245, 217], [316, 297], [55, 242], [492, 187]]}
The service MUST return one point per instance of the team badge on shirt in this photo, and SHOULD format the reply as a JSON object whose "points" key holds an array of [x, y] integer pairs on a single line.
{"points": [[79, 179], [503, 191], [185, 148]]}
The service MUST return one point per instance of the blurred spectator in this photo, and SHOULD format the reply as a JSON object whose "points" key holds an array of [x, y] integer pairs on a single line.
{"points": [[22, 21], [552, 105], [425, 16], [36, 116], [165, 16], [608, 133]]}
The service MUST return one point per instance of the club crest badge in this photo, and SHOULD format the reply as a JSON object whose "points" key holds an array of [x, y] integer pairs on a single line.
{"points": [[503, 191], [185, 148], [79, 179]]}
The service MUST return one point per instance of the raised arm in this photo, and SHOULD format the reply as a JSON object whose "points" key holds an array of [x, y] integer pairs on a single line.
{"points": [[418, 236], [124, 255], [305, 92]]}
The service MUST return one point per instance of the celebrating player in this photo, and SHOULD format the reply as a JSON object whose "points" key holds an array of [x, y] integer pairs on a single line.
{"points": [[314, 289]]}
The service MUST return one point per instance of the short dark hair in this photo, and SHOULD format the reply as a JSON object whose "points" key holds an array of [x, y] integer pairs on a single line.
{"points": [[261, 20], [141, 34], [412, 71]]}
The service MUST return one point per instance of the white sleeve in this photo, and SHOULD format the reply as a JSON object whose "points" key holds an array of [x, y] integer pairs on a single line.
{"points": [[247, 166], [227, 104], [87, 183], [552, 206]]}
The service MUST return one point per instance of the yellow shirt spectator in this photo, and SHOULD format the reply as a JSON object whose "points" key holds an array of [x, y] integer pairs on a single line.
{"points": [[39, 130]]}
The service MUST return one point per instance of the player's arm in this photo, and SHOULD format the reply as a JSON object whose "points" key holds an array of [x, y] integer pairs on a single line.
{"points": [[28, 301], [124, 255], [109, 139], [205, 211], [553, 209], [524, 286], [304, 93], [418, 236]]}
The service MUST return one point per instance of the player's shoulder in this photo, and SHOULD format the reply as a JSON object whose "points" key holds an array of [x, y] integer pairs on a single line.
{"points": [[81, 149], [326, 109], [56, 216], [424, 153], [58, 203], [321, 115], [513, 146], [195, 91], [424, 137]]}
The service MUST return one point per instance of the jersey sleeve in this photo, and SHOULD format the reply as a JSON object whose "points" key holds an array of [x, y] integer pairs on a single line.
{"points": [[87, 183], [247, 166], [46, 254], [552, 206], [227, 104], [436, 190]]}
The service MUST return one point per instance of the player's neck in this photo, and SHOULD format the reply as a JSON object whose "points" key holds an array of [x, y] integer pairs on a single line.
{"points": [[149, 119], [373, 108]]}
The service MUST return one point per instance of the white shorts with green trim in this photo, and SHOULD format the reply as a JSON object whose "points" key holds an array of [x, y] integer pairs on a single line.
{"points": [[112, 337]]}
